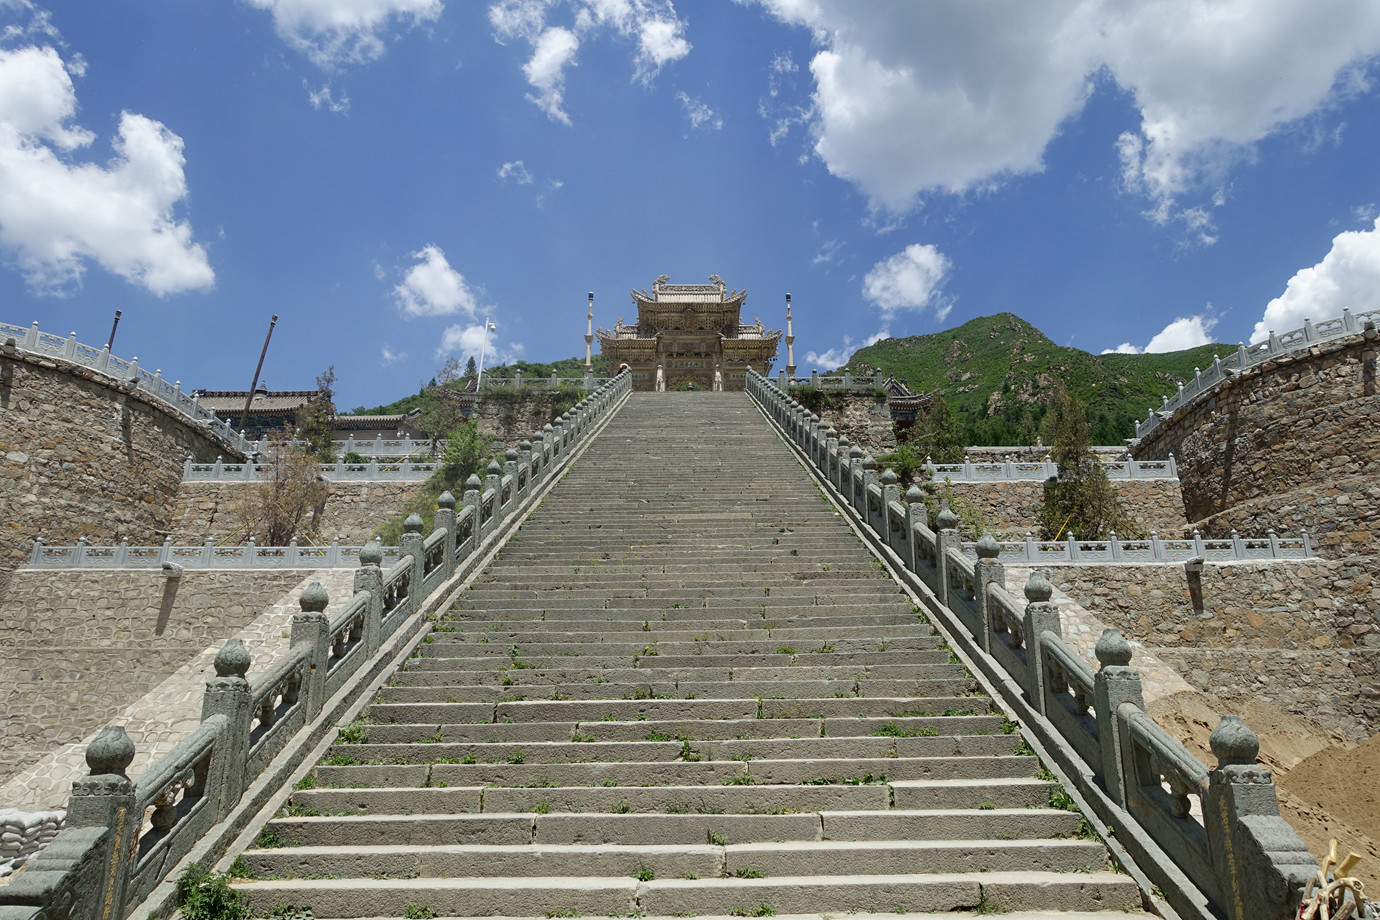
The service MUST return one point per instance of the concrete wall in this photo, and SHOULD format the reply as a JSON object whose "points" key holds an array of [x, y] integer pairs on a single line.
{"points": [[1009, 507], [1301, 634], [351, 512], [81, 645], [1289, 444], [79, 456]]}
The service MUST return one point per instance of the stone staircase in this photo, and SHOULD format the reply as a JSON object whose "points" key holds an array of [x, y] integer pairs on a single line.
{"points": [[683, 688]]}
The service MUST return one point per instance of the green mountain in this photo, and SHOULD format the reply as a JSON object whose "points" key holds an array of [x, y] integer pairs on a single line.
{"points": [[996, 372]]}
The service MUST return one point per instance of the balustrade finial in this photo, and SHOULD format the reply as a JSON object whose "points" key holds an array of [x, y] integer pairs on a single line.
{"points": [[111, 751], [314, 598], [1112, 648], [946, 519], [1233, 743], [446, 500], [232, 660], [413, 524], [474, 483], [987, 547], [1038, 590], [494, 469], [371, 553], [914, 495]]}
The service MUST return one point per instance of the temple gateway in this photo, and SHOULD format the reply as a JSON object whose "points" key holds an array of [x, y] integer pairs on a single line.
{"points": [[689, 335]]}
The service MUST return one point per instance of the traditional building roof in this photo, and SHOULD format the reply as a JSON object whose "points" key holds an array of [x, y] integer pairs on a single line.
{"points": [[265, 401], [900, 395]]}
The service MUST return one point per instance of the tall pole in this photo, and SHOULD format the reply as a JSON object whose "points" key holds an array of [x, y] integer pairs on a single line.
{"points": [[250, 398], [113, 326], [483, 348], [790, 341], [589, 335]]}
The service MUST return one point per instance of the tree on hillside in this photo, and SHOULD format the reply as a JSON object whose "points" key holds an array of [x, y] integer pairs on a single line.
{"points": [[471, 370], [315, 419], [442, 409], [279, 508], [1081, 499]]}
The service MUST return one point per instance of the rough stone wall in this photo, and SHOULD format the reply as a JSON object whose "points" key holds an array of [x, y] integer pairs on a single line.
{"points": [[1009, 507], [863, 417], [81, 645], [1289, 444], [510, 418], [352, 510], [79, 456], [1301, 634]]}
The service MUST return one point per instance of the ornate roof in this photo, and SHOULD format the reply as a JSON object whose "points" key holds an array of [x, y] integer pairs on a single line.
{"points": [[666, 295]]}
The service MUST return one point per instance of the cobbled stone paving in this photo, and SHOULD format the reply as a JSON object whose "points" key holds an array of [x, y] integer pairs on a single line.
{"points": [[683, 688]]}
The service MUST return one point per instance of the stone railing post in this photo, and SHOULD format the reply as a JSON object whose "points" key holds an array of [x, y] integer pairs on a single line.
{"points": [[1041, 616], [829, 460], [915, 513], [986, 571], [228, 694], [525, 462], [947, 537], [369, 577], [105, 797], [311, 628], [841, 461], [869, 479], [1115, 683], [493, 480], [445, 520], [510, 469], [411, 544], [891, 492], [1261, 863]]}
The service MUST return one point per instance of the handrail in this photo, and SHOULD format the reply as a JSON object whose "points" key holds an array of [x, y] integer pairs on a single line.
{"points": [[1156, 549], [246, 725], [1242, 855]]}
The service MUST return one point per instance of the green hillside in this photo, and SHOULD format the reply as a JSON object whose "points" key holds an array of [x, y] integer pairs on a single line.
{"points": [[995, 373], [565, 368]]}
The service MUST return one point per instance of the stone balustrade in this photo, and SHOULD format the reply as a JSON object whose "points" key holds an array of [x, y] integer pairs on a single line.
{"points": [[106, 859], [371, 471], [520, 384], [1248, 355], [1235, 549], [206, 556], [832, 382], [1190, 827], [67, 348], [1009, 470]]}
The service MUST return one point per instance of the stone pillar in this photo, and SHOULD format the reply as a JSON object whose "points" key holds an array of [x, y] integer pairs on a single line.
{"points": [[915, 513], [855, 456], [1115, 683], [1261, 863], [311, 628], [986, 571], [369, 577], [840, 460], [510, 469], [411, 544], [493, 481], [946, 537], [445, 520], [228, 694], [525, 463], [1040, 616], [106, 798], [869, 479], [831, 451], [891, 527]]}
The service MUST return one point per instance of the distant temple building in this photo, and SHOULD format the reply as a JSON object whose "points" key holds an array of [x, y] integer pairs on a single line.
{"points": [[279, 410], [689, 335]]}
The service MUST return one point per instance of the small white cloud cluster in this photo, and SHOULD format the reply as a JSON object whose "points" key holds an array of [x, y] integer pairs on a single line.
{"points": [[700, 115], [839, 355], [334, 33], [431, 287], [909, 280], [653, 25], [56, 213], [914, 98], [1184, 332]]}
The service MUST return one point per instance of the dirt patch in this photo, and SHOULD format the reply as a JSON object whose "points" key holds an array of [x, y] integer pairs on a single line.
{"points": [[1329, 787]]}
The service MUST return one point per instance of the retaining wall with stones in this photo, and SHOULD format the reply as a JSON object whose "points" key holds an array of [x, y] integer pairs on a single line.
{"points": [[1009, 507], [1301, 634], [207, 510], [81, 645], [83, 455], [1289, 443]]}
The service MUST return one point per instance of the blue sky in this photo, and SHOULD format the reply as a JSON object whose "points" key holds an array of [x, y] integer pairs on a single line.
{"points": [[384, 174]]}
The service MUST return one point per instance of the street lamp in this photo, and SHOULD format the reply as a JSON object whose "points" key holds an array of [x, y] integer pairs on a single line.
{"points": [[483, 347]]}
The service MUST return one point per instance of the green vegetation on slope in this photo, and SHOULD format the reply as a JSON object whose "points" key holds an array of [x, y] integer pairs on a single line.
{"points": [[565, 368], [998, 372]]}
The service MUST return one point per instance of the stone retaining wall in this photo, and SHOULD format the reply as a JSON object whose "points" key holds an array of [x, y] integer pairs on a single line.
{"points": [[80, 645], [1009, 507], [864, 418], [351, 512], [1290, 443], [1301, 634], [82, 456]]}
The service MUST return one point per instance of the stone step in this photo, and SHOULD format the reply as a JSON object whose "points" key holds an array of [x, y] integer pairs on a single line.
{"points": [[488, 623], [663, 633], [662, 862], [651, 688], [604, 896], [421, 671], [661, 710], [442, 645]]}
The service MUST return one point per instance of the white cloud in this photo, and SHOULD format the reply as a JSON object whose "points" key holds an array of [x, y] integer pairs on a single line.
{"points": [[659, 35], [323, 98], [515, 172], [432, 288], [388, 357], [1348, 276], [838, 356], [333, 33], [700, 115], [55, 213], [915, 99], [909, 280], [469, 341], [1184, 332]]}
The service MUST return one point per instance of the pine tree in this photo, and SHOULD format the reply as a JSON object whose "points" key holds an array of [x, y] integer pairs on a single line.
{"points": [[1081, 499], [471, 369]]}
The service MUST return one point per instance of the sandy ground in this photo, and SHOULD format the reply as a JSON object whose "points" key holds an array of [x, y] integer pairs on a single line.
{"points": [[1328, 786]]}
